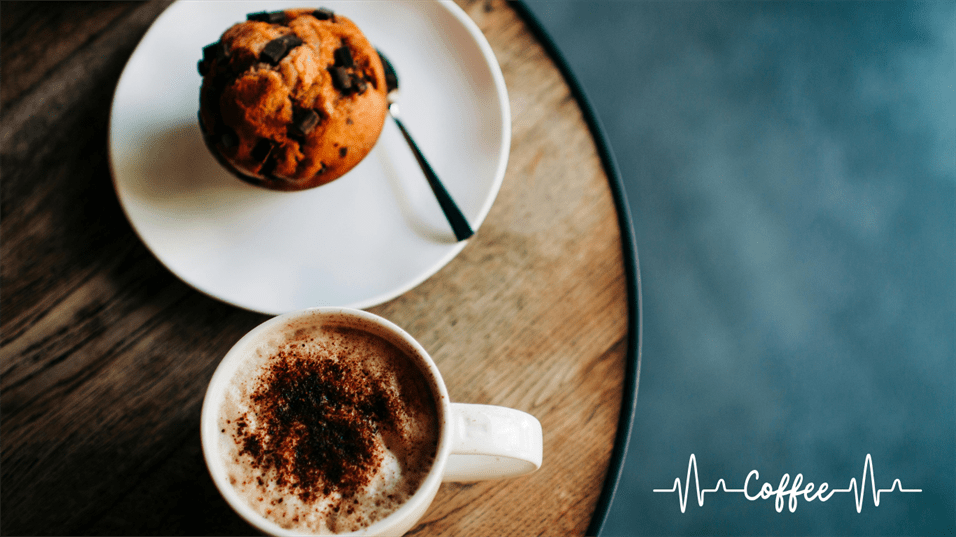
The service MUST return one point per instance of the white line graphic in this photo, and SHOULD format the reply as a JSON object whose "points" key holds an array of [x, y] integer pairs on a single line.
{"points": [[786, 492]]}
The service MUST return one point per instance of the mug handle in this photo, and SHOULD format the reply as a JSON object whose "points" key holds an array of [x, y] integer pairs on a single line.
{"points": [[491, 442]]}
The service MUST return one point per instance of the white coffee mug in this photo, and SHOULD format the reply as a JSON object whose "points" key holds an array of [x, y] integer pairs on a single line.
{"points": [[476, 442]]}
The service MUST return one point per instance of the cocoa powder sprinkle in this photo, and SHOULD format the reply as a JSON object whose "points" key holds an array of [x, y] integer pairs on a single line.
{"points": [[318, 419]]}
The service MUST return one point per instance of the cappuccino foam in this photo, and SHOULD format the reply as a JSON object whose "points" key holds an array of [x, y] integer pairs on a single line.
{"points": [[327, 429]]}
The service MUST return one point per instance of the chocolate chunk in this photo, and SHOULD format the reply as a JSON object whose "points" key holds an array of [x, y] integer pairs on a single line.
{"points": [[324, 14], [304, 121], [371, 80], [214, 51], [343, 57], [228, 139], [262, 150], [347, 83], [341, 79], [272, 17], [268, 168], [291, 40], [359, 84], [343, 151], [276, 49]]}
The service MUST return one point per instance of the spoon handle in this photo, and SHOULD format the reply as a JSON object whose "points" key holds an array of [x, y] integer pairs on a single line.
{"points": [[459, 224]]}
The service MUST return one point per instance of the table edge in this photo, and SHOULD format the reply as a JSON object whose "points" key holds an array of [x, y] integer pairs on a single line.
{"points": [[632, 365]]}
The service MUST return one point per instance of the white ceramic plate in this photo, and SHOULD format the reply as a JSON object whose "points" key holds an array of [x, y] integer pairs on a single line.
{"points": [[363, 239]]}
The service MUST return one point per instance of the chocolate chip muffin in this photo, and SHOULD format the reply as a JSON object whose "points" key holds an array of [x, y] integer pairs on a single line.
{"points": [[291, 99]]}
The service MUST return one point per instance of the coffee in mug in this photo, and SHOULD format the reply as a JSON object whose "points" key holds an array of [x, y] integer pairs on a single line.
{"points": [[327, 428], [334, 421]]}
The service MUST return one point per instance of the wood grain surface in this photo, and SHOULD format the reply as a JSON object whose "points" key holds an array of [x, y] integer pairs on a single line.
{"points": [[106, 355]]}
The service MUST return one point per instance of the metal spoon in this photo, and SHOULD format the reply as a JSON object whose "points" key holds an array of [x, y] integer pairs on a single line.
{"points": [[459, 224]]}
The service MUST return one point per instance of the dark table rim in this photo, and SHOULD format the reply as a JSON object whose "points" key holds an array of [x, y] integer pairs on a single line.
{"points": [[632, 367]]}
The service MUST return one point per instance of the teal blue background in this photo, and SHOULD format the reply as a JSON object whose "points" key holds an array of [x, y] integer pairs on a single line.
{"points": [[791, 173]]}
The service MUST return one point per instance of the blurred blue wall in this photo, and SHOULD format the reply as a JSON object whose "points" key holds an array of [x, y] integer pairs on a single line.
{"points": [[791, 171]]}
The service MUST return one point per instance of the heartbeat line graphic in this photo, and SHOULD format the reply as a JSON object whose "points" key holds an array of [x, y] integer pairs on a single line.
{"points": [[786, 492]]}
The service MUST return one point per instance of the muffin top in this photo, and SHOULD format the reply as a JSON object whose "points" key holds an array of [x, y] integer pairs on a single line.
{"points": [[292, 99]]}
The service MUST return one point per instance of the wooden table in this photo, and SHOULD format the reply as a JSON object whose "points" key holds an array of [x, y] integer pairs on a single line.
{"points": [[106, 355]]}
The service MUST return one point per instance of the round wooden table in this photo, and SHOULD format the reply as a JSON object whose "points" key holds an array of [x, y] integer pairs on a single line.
{"points": [[106, 355]]}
